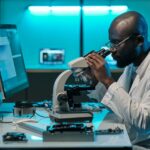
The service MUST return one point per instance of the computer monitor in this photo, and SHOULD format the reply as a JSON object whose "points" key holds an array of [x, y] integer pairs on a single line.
{"points": [[13, 76]]}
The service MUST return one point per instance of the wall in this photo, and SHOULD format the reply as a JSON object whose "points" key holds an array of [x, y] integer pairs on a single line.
{"points": [[58, 30], [96, 25], [54, 30]]}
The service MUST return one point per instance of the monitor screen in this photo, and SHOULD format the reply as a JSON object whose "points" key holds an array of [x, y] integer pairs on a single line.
{"points": [[12, 68]]}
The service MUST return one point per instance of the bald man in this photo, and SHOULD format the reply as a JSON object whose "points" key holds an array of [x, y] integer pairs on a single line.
{"points": [[129, 97]]}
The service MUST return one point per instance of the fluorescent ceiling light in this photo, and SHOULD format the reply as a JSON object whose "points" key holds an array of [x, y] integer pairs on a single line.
{"points": [[47, 9], [39, 9], [65, 8], [104, 8], [118, 8], [95, 8]]}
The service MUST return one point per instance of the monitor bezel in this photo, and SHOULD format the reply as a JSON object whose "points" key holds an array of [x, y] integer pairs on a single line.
{"points": [[2, 88], [8, 94]]}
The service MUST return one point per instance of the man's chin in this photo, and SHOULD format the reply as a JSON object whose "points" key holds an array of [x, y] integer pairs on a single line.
{"points": [[121, 65]]}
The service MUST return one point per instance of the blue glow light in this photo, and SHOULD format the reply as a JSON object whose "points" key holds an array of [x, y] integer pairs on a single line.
{"points": [[94, 9], [66, 8], [104, 9], [99, 117], [118, 8], [48, 9], [36, 138], [39, 9]]}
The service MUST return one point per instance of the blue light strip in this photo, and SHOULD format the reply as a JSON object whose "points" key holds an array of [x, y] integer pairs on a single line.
{"points": [[118, 8], [39, 9], [66, 8], [104, 8], [47, 9]]}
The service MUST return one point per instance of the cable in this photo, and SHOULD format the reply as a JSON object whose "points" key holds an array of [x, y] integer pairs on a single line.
{"points": [[47, 108], [5, 121], [5, 112], [41, 115], [32, 115]]}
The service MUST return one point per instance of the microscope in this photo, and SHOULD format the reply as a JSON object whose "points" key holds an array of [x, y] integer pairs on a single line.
{"points": [[63, 107]]}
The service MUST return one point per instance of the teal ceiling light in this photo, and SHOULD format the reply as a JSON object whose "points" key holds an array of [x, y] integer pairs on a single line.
{"points": [[66, 8], [39, 9], [95, 9], [48, 9], [122, 8]]}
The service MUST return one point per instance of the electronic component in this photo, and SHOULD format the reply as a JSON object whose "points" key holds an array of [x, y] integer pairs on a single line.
{"points": [[14, 137], [116, 130], [69, 132]]}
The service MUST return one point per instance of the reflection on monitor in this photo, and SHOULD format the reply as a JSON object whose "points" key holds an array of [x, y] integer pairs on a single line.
{"points": [[12, 68]]}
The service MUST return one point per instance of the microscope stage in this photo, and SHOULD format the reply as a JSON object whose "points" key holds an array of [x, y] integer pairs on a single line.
{"points": [[71, 116]]}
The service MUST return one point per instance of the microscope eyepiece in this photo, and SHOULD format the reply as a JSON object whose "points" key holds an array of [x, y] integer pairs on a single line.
{"points": [[83, 73], [103, 52]]}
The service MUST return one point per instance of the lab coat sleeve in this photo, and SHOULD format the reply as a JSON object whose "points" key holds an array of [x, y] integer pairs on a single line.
{"points": [[100, 89], [135, 113]]}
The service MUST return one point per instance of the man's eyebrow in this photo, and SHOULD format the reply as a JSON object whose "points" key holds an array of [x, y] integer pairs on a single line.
{"points": [[115, 40]]}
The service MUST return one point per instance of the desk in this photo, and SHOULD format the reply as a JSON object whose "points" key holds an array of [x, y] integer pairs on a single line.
{"points": [[35, 139]]}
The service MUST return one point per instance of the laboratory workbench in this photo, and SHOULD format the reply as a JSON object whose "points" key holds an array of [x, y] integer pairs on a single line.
{"points": [[34, 131]]}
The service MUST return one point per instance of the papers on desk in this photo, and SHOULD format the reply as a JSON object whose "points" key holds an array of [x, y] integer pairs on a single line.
{"points": [[38, 128]]}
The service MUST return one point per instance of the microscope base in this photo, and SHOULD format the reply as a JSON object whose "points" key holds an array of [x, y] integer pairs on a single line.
{"points": [[61, 117]]}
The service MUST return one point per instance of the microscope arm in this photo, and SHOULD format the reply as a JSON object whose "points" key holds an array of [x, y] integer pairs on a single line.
{"points": [[58, 89], [60, 82]]}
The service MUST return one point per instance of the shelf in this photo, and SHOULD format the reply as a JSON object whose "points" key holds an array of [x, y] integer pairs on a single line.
{"points": [[61, 68]]}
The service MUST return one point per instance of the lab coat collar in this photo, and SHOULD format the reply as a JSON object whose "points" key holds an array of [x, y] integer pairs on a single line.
{"points": [[143, 66]]}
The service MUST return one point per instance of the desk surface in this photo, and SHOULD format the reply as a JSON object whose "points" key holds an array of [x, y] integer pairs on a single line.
{"points": [[35, 140]]}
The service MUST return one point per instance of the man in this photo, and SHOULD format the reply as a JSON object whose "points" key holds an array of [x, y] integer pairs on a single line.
{"points": [[129, 97]]}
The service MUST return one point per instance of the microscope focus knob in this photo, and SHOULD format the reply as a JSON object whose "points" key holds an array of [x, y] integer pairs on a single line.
{"points": [[63, 102], [62, 97]]}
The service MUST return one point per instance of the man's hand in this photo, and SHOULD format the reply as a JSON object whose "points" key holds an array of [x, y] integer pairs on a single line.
{"points": [[100, 69]]}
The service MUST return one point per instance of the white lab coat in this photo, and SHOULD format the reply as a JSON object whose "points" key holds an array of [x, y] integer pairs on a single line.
{"points": [[132, 103]]}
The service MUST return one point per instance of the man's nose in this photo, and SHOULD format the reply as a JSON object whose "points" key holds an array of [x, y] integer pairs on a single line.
{"points": [[113, 50]]}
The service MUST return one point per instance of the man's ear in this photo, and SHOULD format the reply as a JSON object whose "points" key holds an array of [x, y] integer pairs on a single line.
{"points": [[140, 40]]}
